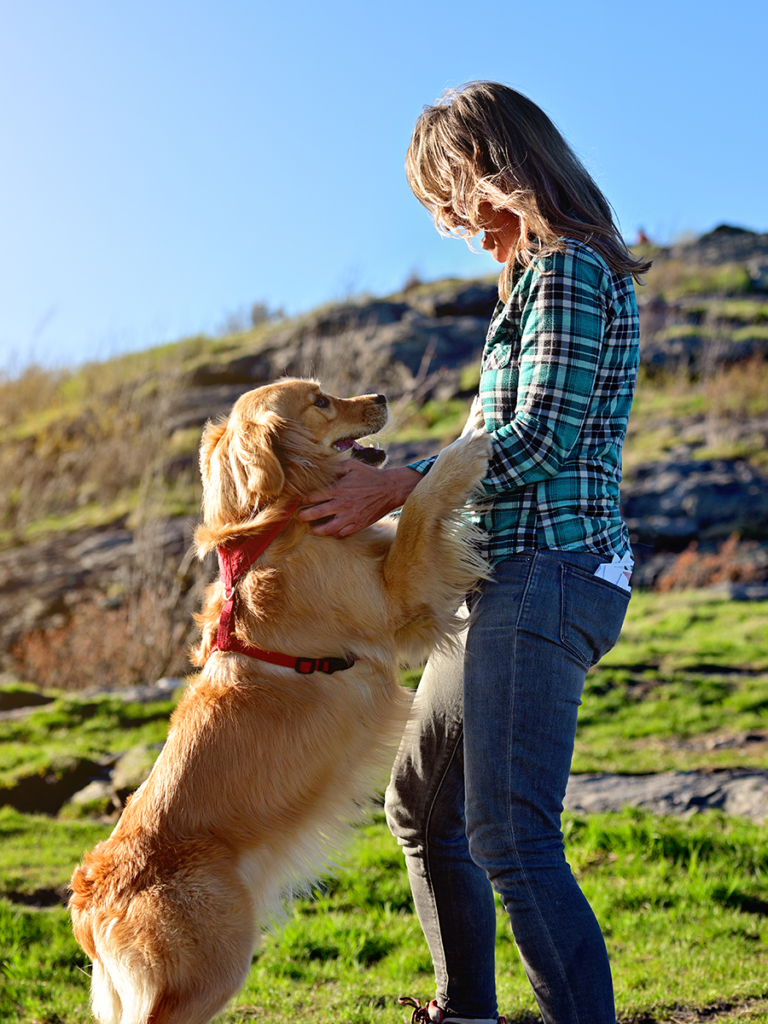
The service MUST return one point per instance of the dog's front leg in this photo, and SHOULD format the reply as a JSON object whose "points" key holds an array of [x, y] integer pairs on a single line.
{"points": [[432, 562]]}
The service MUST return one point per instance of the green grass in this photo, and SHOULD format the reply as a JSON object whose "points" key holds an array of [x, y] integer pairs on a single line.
{"points": [[757, 332], [743, 310], [689, 665], [436, 420], [75, 727], [674, 279], [682, 904], [38, 852], [684, 629]]}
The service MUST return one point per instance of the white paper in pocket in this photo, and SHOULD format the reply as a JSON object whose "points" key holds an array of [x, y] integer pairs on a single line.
{"points": [[616, 572]]}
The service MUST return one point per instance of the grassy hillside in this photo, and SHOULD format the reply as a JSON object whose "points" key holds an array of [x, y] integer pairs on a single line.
{"points": [[107, 452], [95, 445]]}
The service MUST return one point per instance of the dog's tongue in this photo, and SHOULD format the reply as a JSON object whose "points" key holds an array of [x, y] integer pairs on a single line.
{"points": [[346, 444]]}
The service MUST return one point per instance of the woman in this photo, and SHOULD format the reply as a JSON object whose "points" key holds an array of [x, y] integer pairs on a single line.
{"points": [[477, 789]]}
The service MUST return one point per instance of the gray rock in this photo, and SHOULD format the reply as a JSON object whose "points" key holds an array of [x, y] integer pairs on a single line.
{"points": [[737, 792], [742, 591], [748, 591], [162, 689], [94, 800], [132, 769], [382, 346], [669, 504], [725, 244], [456, 298]]}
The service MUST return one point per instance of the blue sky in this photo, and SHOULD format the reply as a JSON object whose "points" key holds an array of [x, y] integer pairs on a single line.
{"points": [[164, 165]]}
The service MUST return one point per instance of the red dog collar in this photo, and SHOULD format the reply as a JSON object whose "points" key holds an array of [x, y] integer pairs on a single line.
{"points": [[235, 559]]}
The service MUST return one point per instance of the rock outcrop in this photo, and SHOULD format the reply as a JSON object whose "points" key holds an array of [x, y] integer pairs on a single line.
{"points": [[738, 792], [422, 343], [728, 244]]}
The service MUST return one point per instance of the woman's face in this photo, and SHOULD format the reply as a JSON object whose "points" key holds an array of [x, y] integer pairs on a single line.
{"points": [[501, 231]]}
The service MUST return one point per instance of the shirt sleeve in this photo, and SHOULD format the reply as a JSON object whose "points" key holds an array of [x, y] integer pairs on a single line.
{"points": [[562, 327], [423, 465]]}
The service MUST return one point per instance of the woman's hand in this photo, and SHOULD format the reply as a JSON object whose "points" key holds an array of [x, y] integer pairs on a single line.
{"points": [[360, 497]]}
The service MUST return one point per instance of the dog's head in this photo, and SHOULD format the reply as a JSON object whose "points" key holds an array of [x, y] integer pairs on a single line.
{"points": [[283, 438]]}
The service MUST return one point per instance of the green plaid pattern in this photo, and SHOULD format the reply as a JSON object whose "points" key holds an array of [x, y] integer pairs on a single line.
{"points": [[558, 376]]}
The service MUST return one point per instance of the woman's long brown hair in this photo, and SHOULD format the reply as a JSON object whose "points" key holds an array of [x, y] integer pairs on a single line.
{"points": [[484, 143]]}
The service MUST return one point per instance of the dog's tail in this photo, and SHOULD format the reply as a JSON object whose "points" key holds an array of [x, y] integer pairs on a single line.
{"points": [[121, 991], [153, 963], [115, 996], [121, 994], [127, 990]]}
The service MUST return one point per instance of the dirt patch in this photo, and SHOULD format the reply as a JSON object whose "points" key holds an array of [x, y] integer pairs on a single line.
{"points": [[753, 1009]]}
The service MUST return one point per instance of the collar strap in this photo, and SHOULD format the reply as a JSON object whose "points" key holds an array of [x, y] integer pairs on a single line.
{"points": [[235, 559], [304, 666]]}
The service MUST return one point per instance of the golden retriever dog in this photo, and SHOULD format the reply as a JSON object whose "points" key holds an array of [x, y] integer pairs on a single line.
{"points": [[265, 763]]}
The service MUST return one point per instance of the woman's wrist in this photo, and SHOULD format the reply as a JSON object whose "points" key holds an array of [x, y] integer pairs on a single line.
{"points": [[403, 481]]}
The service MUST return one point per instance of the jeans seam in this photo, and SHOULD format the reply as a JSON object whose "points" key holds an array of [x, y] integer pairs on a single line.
{"points": [[562, 581], [521, 867], [427, 856]]}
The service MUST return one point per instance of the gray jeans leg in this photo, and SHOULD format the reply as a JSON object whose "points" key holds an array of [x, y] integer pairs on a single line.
{"points": [[425, 811]]}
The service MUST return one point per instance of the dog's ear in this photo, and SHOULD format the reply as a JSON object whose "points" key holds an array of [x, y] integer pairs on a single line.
{"points": [[219, 495], [212, 434], [239, 467], [254, 464]]}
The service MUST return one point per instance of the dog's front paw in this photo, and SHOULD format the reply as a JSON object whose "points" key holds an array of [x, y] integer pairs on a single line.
{"points": [[478, 443], [465, 461]]}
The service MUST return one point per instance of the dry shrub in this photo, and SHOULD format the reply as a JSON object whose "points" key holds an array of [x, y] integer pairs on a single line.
{"points": [[97, 455], [105, 648], [93, 449], [735, 561], [141, 631], [738, 392], [33, 390]]}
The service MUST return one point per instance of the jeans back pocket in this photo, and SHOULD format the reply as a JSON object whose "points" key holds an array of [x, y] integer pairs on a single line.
{"points": [[591, 613]]}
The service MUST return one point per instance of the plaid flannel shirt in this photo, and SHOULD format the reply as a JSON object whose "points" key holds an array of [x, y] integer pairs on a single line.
{"points": [[558, 375]]}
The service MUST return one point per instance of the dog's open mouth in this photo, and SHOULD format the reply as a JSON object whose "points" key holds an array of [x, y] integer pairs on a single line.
{"points": [[371, 456]]}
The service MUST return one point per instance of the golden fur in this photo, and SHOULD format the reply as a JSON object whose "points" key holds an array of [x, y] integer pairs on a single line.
{"points": [[262, 765]]}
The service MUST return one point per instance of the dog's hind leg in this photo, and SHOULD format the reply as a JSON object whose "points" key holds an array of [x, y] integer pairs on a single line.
{"points": [[190, 1008], [202, 975]]}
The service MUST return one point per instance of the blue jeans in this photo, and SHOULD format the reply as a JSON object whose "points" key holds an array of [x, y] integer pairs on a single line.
{"points": [[477, 789]]}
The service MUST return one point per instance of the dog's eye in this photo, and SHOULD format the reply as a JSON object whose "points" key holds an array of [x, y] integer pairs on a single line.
{"points": [[321, 402]]}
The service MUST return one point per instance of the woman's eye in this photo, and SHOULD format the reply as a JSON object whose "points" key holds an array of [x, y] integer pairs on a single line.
{"points": [[321, 402]]}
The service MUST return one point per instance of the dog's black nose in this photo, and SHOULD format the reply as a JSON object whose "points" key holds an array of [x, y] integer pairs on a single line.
{"points": [[381, 399]]}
